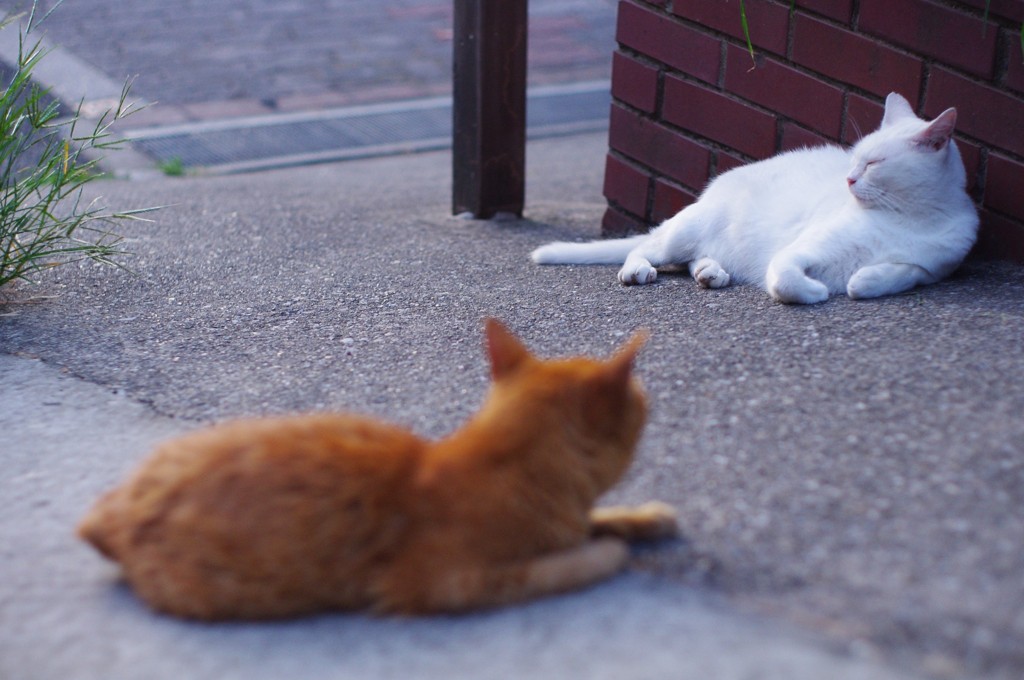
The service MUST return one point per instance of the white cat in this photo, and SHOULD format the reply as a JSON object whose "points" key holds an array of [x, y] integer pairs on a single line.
{"points": [[888, 215]]}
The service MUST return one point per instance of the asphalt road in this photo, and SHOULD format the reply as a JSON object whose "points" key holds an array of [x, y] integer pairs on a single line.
{"points": [[853, 469]]}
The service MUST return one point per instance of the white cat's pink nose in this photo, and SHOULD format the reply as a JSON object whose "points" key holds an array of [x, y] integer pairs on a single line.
{"points": [[851, 181]]}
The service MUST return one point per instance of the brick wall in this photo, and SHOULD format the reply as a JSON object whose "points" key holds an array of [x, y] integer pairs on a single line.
{"points": [[688, 103]]}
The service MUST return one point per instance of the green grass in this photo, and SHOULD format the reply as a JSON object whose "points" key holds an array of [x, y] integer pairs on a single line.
{"points": [[173, 167], [46, 160]]}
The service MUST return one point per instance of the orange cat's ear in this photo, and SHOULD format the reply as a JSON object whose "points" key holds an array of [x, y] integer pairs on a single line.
{"points": [[505, 350], [621, 365]]}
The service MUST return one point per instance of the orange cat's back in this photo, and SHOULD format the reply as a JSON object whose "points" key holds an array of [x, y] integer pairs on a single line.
{"points": [[320, 493]]}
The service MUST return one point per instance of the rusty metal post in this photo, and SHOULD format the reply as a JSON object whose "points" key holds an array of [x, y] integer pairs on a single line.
{"points": [[489, 107]]}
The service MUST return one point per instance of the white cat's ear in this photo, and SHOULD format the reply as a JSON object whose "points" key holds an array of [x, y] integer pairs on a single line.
{"points": [[505, 350], [938, 132], [896, 108]]}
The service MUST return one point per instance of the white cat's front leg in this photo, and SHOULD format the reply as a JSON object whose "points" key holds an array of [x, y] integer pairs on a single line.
{"points": [[885, 279], [641, 263], [708, 273], [787, 282], [637, 271], [672, 242]]}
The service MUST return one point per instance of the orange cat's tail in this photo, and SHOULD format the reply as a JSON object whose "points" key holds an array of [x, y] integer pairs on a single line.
{"points": [[97, 527]]}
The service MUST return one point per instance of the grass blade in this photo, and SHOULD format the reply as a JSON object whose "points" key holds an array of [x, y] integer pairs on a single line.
{"points": [[746, 31], [45, 164]]}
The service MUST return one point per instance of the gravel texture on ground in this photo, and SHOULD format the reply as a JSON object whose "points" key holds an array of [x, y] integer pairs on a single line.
{"points": [[856, 468]]}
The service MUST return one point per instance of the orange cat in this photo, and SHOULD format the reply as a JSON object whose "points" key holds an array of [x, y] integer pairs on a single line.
{"points": [[284, 516]]}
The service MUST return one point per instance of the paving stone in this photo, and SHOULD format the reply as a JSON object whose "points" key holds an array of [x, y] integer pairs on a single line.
{"points": [[186, 52]]}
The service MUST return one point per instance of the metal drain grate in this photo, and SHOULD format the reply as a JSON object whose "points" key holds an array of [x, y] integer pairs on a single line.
{"points": [[291, 139]]}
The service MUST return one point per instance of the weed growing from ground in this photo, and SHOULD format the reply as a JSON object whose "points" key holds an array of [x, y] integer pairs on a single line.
{"points": [[46, 159]]}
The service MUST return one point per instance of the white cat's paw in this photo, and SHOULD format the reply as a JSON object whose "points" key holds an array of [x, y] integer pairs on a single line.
{"points": [[856, 291], [802, 291], [866, 283], [709, 274], [637, 273]]}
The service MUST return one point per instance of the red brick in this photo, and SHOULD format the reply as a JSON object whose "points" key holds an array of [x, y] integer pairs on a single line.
{"points": [[625, 185], [840, 10], [863, 116], [634, 82], [718, 117], [854, 59], [983, 112], [669, 199], [768, 22], [657, 147], [230, 108], [781, 88], [971, 156], [999, 238], [724, 162], [312, 102], [617, 223], [1004, 183], [669, 41], [796, 137], [953, 37], [1014, 61], [159, 114], [1008, 9]]}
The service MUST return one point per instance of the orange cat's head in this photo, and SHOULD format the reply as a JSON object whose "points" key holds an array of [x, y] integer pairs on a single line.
{"points": [[589, 411]]}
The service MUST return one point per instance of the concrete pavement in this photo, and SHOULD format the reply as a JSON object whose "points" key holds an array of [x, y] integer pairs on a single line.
{"points": [[849, 475], [64, 618]]}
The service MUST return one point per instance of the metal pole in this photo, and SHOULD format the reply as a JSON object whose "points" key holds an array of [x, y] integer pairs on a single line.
{"points": [[489, 107]]}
